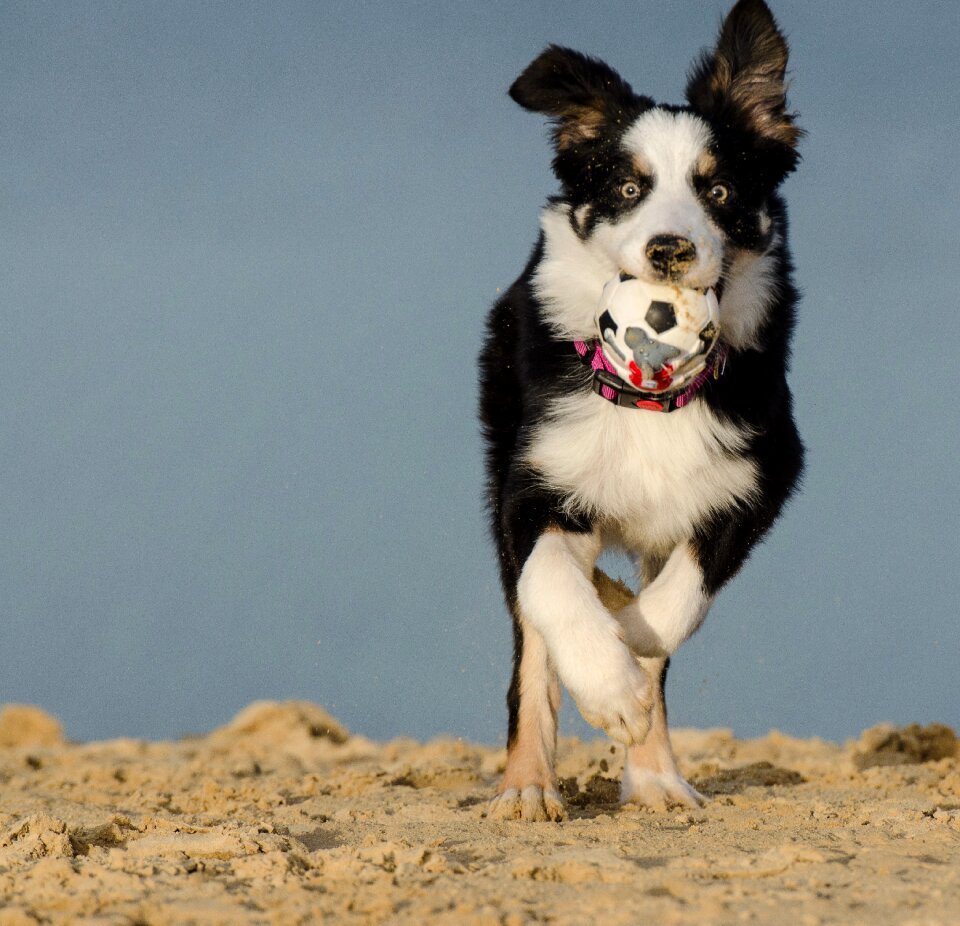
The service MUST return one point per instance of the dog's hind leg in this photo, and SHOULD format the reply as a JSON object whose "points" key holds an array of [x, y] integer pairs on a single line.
{"points": [[650, 774], [529, 787]]}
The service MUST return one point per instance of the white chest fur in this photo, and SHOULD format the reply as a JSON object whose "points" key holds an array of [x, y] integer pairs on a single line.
{"points": [[649, 477]]}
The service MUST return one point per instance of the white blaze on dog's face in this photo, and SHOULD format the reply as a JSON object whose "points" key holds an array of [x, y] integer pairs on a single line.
{"points": [[668, 235]]}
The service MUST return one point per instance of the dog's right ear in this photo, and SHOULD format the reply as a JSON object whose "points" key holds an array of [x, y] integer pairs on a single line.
{"points": [[579, 94]]}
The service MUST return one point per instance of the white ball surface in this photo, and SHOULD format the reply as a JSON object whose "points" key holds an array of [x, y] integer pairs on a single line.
{"points": [[656, 336]]}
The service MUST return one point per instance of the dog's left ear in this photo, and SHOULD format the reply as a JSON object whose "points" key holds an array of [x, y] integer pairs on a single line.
{"points": [[745, 75]]}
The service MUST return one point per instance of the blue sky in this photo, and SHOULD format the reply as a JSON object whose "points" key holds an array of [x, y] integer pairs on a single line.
{"points": [[246, 254]]}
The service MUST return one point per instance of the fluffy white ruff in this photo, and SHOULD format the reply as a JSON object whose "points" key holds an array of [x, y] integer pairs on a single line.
{"points": [[648, 478], [571, 276], [750, 289]]}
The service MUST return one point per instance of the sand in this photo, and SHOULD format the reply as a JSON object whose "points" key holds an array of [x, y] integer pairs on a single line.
{"points": [[282, 816]]}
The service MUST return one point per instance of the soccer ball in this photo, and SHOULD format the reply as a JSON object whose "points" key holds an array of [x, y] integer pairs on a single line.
{"points": [[656, 336]]}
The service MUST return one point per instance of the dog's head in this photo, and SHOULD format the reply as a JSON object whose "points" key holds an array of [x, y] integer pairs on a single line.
{"points": [[672, 193]]}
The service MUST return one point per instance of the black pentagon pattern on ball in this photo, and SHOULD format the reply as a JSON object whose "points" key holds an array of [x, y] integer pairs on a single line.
{"points": [[660, 316], [607, 323]]}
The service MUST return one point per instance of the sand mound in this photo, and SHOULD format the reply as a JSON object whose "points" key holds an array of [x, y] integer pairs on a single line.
{"points": [[280, 722], [888, 745], [24, 725], [283, 817]]}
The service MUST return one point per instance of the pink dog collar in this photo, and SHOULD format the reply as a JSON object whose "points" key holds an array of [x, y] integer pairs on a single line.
{"points": [[611, 387]]}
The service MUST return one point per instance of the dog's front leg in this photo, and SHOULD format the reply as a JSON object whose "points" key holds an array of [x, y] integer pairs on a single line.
{"points": [[557, 598], [669, 609], [529, 790], [650, 774]]}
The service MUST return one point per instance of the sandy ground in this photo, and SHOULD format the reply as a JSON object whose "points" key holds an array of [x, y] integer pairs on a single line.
{"points": [[282, 817]]}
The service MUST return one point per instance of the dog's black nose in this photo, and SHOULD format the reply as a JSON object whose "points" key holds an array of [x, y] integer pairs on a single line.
{"points": [[671, 255]]}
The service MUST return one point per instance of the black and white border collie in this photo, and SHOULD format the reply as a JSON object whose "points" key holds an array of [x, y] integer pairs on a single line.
{"points": [[686, 194]]}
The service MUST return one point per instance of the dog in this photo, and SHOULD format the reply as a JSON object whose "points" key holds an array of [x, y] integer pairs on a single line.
{"points": [[686, 484]]}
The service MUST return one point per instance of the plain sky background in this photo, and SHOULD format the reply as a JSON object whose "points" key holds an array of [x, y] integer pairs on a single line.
{"points": [[245, 254]]}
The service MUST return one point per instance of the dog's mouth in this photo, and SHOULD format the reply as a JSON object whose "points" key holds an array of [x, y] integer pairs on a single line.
{"points": [[717, 286]]}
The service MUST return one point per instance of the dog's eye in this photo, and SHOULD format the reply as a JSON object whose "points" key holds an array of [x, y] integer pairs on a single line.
{"points": [[630, 190], [719, 193]]}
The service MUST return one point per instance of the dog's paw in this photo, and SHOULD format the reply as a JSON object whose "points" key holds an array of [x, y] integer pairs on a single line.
{"points": [[615, 696], [532, 803], [658, 790]]}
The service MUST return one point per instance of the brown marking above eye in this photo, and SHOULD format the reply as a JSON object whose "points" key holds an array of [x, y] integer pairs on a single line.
{"points": [[706, 165], [641, 166]]}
